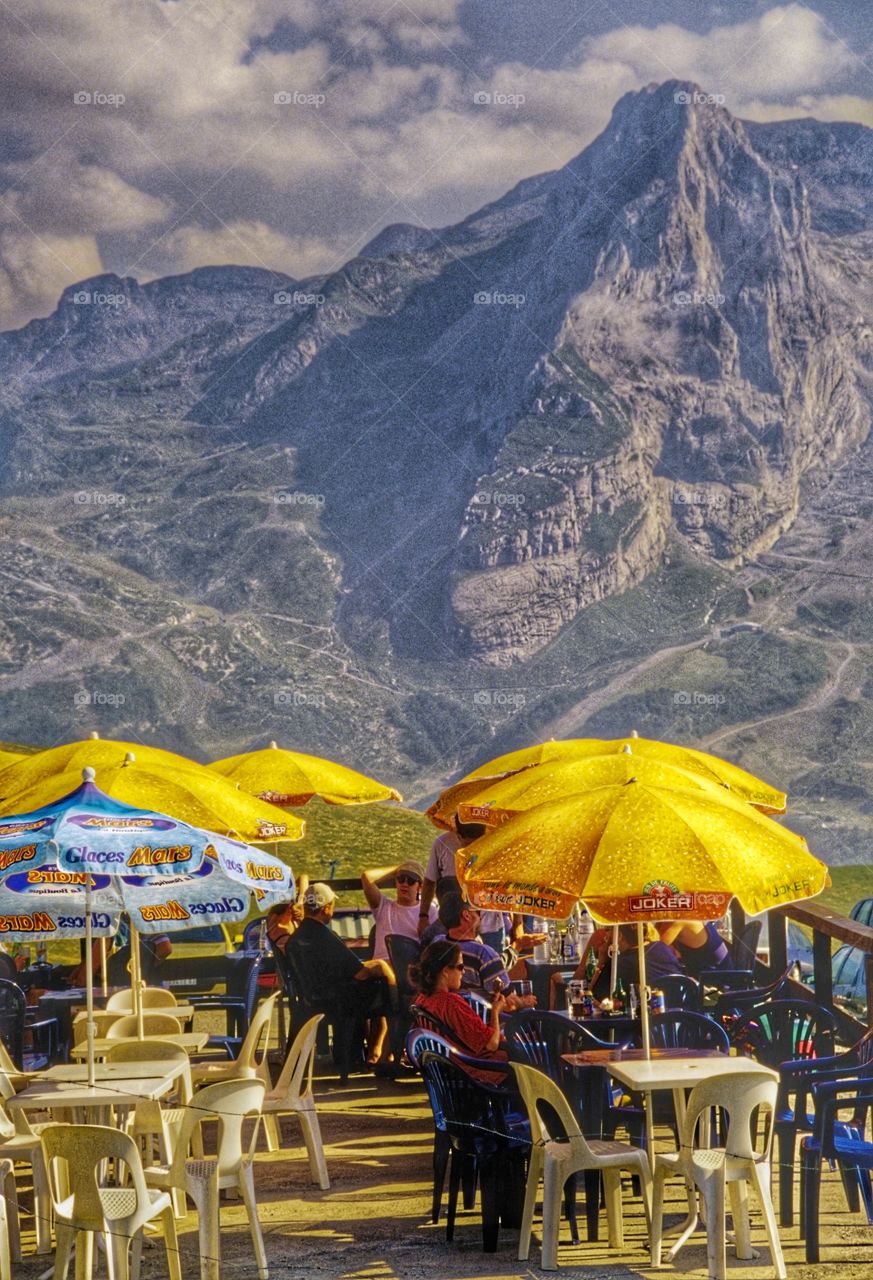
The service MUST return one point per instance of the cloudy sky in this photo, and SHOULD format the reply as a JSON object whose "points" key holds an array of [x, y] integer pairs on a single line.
{"points": [[152, 136]]}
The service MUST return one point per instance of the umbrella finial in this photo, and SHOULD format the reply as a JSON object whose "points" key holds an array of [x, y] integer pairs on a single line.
{"points": [[634, 733], [272, 746], [626, 750], [94, 735], [129, 758], [88, 774]]}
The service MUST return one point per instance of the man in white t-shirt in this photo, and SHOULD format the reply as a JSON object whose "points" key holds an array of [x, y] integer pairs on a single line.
{"points": [[400, 916]]}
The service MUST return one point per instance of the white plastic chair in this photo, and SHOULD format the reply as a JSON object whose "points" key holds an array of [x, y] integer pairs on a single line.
{"points": [[230, 1102], [10, 1241], [19, 1141], [153, 1024], [712, 1169], [555, 1161], [152, 998], [151, 1124], [293, 1092], [84, 1204], [252, 1061], [103, 1020]]}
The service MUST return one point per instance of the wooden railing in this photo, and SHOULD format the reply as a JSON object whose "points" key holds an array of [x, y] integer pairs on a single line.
{"points": [[827, 927]]}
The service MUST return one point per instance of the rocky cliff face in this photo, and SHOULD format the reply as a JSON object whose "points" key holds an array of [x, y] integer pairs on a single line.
{"points": [[449, 449]]}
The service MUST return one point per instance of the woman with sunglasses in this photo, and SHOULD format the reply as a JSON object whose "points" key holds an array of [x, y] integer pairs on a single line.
{"points": [[438, 977], [395, 916]]}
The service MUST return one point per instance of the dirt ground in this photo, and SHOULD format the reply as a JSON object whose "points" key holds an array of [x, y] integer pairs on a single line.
{"points": [[374, 1222]]}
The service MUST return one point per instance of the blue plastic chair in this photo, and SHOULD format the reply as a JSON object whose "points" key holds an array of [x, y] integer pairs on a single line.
{"points": [[486, 1128], [681, 991], [842, 1144], [855, 1063]]}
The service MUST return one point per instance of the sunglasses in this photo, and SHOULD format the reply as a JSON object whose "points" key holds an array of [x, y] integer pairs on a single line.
{"points": [[461, 967], [405, 879]]}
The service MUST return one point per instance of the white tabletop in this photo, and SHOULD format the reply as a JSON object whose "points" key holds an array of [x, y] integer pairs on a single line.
{"points": [[55, 1095], [76, 1073], [192, 1041], [646, 1074]]}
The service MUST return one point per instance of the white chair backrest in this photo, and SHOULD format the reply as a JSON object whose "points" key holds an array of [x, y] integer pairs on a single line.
{"points": [[154, 1051], [746, 1097], [535, 1088], [230, 1102], [82, 1149], [256, 1036], [152, 998], [299, 1063], [153, 1024]]}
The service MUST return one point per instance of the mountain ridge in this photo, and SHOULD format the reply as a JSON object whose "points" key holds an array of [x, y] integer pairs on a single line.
{"points": [[429, 503]]}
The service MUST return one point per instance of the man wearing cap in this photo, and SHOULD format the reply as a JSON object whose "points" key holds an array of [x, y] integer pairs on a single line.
{"points": [[400, 916], [329, 968]]}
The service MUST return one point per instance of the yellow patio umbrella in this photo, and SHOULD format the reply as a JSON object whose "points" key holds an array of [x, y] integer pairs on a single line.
{"points": [[501, 800], [72, 757], [743, 784], [293, 778], [11, 757], [194, 795], [637, 852]]}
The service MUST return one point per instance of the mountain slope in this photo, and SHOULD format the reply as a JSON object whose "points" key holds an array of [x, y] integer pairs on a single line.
{"points": [[522, 475]]}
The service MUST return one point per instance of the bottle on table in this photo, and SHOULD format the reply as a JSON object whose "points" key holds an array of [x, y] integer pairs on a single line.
{"points": [[571, 942], [619, 997], [590, 967], [554, 943], [633, 1000]]}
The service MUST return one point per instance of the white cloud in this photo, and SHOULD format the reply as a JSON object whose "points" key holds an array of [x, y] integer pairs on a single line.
{"points": [[199, 140], [787, 50], [245, 244], [35, 270], [840, 106]]}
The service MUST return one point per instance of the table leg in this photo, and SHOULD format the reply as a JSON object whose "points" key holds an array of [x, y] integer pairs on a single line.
{"points": [[689, 1225]]}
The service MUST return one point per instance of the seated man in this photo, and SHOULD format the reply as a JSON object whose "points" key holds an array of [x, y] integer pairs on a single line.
{"points": [[459, 921], [329, 969], [400, 916]]}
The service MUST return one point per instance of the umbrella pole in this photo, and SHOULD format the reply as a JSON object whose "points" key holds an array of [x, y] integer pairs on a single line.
{"points": [[89, 983], [136, 977], [613, 977], [644, 993], [103, 973]]}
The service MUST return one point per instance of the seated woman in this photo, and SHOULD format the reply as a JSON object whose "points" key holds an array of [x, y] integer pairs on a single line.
{"points": [[438, 977], [699, 946]]}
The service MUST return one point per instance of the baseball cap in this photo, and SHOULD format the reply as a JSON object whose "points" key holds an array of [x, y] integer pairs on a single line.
{"points": [[318, 895], [412, 868]]}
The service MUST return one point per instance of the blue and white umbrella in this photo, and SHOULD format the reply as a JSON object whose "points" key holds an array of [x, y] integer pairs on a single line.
{"points": [[85, 858]]}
